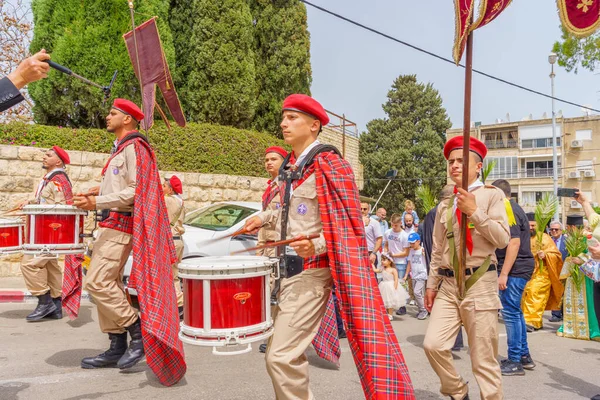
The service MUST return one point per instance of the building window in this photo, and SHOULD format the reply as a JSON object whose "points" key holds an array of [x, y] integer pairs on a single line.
{"points": [[583, 134], [530, 199], [500, 140], [539, 143], [504, 168], [538, 169]]}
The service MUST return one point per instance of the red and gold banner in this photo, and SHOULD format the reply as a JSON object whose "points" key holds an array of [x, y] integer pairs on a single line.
{"points": [[581, 18], [488, 11], [463, 11]]}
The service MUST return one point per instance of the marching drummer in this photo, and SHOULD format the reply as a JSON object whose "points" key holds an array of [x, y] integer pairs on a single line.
{"points": [[134, 217], [319, 196], [173, 190], [43, 276], [271, 200]]}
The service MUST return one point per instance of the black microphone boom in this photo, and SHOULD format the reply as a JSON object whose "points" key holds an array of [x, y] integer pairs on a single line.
{"points": [[67, 71]]}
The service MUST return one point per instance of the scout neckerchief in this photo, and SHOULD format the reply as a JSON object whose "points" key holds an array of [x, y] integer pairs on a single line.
{"points": [[270, 193], [47, 179], [469, 238]]}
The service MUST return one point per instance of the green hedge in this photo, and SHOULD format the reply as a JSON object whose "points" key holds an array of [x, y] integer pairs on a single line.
{"points": [[202, 148]]}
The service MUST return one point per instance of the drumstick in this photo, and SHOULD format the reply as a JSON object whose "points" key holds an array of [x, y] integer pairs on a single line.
{"points": [[236, 233], [10, 211], [279, 243]]}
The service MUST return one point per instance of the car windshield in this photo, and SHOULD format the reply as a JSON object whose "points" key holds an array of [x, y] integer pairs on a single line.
{"points": [[219, 217]]}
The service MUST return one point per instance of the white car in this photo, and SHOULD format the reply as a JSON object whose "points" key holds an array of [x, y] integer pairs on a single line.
{"points": [[205, 225]]}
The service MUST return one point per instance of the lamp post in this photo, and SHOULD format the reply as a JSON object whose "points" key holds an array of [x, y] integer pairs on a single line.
{"points": [[552, 60]]}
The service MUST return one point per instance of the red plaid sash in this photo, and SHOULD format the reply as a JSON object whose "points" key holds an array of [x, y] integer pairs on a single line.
{"points": [[72, 275], [381, 366], [118, 222], [151, 276]]}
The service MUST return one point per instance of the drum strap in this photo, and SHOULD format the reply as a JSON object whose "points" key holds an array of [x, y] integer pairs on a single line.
{"points": [[290, 265], [49, 179]]}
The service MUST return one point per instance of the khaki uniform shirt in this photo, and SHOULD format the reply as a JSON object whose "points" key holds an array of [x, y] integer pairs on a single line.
{"points": [[50, 194], [304, 217], [117, 189], [176, 213], [270, 233], [490, 232]]}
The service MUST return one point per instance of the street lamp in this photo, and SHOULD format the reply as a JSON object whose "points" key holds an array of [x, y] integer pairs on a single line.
{"points": [[552, 60]]}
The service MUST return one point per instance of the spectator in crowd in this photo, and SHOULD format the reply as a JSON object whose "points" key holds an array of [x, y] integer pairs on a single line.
{"points": [[515, 267], [380, 216], [372, 233], [396, 245], [409, 208], [556, 232], [392, 293], [418, 272]]}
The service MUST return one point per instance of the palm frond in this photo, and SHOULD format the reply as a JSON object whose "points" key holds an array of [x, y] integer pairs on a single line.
{"points": [[544, 212], [427, 197], [576, 245], [487, 170]]}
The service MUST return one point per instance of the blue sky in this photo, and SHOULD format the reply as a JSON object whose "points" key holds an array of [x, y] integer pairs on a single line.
{"points": [[353, 69]]}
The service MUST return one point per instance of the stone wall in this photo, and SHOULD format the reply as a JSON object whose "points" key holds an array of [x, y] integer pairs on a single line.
{"points": [[21, 171]]}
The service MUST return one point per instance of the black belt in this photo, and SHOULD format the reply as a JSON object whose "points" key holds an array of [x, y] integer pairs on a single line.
{"points": [[469, 271], [124, 213], [176, 237]]}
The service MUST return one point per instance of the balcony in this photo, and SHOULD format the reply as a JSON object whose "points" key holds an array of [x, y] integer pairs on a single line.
{"points": [[499, 144], [528, 173]]}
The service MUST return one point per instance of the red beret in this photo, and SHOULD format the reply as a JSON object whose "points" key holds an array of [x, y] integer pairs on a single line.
{"points": [[475, 145], [307, 105], [276, 149], [175, 183], [64, 157], [129, 108]]}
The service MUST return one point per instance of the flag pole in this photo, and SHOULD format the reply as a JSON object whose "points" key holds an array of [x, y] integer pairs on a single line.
{"points": [[137, 58], [460, 280]]}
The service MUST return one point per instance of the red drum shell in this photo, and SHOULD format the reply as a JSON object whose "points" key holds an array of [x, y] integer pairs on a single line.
{"points": [[55, 227], [11, 234], [234, 303]]}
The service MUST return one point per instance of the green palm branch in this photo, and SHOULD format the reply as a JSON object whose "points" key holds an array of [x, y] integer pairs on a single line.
{"points": [[544, 212], [576, 245], [487, 170], [427, 197]]}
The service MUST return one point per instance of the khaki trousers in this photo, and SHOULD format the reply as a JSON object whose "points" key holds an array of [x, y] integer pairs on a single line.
{"points": [[104, 280], [175, 267], [302, 303], [478, 312], [42, 274]]}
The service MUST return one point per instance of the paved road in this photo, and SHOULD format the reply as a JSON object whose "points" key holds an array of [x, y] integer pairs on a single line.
{"points": [[41, 361]]}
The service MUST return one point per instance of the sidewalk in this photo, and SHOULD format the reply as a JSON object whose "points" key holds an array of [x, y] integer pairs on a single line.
{"points": [[13, 290]]}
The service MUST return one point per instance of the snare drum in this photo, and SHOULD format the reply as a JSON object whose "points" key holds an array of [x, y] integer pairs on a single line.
{"points": [[11, 235], [226, 301], [53, 229]]}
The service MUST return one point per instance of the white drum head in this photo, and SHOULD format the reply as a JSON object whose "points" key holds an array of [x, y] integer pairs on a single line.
{"points": [[224, 267], [53, 209], [7, 222]]}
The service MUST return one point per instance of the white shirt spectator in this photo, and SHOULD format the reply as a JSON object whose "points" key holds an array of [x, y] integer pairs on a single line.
{"points": [[418, 268], [372, 232]]}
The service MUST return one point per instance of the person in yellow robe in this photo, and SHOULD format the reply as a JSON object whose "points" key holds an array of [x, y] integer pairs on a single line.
{"points": [[544, 291]]}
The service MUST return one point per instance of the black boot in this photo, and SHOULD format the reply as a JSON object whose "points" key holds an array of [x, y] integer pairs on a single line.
{"points": [[135, 351], [45, 307], [118, 346], [58, 313]]}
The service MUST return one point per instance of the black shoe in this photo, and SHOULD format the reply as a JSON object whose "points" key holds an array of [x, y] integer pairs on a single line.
{"points": [[510, 368], [45, 307], [342, 335], [464, 398], [58, 313], [555, 319], [401, 311], [262, 348], [527, 362], [180, 309], [596, 397], [118, 346], [135, 351]]}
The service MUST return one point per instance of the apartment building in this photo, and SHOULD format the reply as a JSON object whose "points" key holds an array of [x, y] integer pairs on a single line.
{"points": [[522, 152]]}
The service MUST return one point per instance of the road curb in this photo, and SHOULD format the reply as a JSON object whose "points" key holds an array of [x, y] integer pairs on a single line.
{"points": [[18, 296]]}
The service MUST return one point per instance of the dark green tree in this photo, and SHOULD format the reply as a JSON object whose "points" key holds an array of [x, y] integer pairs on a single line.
{"points": [[87, 38], [282, 51], [215, 72], [410, 139]]}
